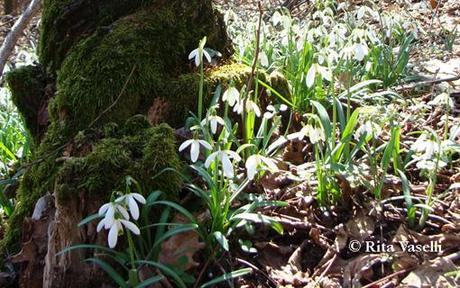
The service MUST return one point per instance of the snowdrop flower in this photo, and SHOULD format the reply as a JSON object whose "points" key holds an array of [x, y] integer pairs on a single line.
{"points": [[263, 59], [315, 134], [369, 128], [231, 96], [109, 211], [199, 52], [283, 107], [194, 147], [360, 51], [256, 161], [213, 120], [426, 147], [315, 69], [117, 227], [224, 157], [250, 106], [130, 200]]}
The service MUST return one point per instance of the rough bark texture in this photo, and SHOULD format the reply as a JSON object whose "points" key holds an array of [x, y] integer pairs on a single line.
{"points": [[104, 65]]}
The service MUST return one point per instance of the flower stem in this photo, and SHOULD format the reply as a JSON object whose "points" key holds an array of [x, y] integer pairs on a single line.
{"points": [[133, 280]]}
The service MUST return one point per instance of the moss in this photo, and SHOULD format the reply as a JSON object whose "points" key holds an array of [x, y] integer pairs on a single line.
{"points": [[140, 44], [65, 22], [140, 151], [27, 85], [141, 156]]}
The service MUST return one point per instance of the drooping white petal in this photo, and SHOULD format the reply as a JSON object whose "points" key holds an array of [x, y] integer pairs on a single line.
{"points": [[227, 165], [113, 235], [193, 54], [123, 211], [233, 155], [311, 76], [131, 226], [263, 59], [185, 144], [133, 208], [210, 159], [213, 124], [100, 225], [205, 144], [360, 51], [206, 55], [139, 198], [195, 150], [104, 209], [109, 217], [325, 73], [251, 166]]}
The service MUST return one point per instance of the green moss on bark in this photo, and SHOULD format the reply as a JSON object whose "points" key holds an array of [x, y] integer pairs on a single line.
{"points": [[65, 22], [96, 167], [151, 45], [27, 85]]}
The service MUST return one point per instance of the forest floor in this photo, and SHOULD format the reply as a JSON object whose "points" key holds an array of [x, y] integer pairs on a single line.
{"points": [[360, 241]]}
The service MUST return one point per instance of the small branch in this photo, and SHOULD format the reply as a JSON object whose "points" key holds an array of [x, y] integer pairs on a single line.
{"points": [[16, 30], [425, 83], [116, 100]]}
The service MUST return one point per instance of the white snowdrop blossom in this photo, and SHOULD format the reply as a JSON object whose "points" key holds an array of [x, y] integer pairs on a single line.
{"points": [[360, 51], [110, 211], [368, 128], [283, 107], [194, 147], [254, 162], [213, 120], [251, 106], [231, 96], [315, 134], [197, 56], [130, 201], [117, 227], [315, 69], [224, 157], [263, 58]]}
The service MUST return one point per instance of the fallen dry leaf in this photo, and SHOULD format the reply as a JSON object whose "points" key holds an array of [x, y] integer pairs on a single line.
{"points": [[181, 245], [431, 274]]}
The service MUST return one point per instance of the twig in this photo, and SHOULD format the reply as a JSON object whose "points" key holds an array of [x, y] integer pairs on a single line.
{"points": [[16, 30], [258, 270], [205, 266], [331, 261], [57, 149], [254, 67], [116, 100], [425, 83], [418, 213], [373, 284]]}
